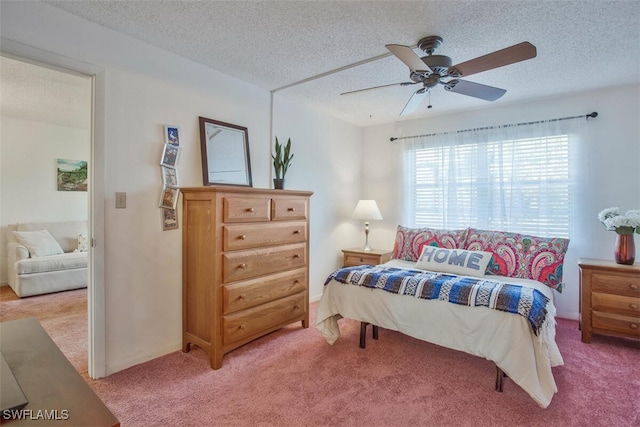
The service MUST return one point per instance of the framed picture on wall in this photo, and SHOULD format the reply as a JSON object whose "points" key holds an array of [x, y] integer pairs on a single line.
{"points": [[170, 156], [72, 175], [169, 177], [172, 135], [169, 197], [169, 219]]}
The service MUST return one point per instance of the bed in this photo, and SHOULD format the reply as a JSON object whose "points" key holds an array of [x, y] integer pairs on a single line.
{"points": [[524, 354]]}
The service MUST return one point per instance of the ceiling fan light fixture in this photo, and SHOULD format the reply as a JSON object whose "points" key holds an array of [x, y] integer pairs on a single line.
{"points": [[432, 69], [438, 63]]}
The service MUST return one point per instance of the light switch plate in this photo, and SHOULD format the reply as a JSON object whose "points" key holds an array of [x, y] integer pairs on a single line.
{"points": [[121, 200]]}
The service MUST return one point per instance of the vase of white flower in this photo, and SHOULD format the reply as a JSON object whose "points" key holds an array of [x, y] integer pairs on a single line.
{"points": [[624, 226], [625, 249]]}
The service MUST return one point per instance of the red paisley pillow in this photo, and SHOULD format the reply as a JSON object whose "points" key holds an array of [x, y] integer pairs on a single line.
{"points": [[410, 241], [520, 255]]}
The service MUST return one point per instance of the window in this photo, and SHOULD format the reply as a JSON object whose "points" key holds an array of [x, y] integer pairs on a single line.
{"points": [[491, 181]]}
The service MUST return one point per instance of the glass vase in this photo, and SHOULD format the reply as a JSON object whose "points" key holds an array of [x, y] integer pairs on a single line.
{"points": [[625, 249]]}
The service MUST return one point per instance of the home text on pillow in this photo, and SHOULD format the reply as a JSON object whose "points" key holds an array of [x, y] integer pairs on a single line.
{"points": [[457, 261]]}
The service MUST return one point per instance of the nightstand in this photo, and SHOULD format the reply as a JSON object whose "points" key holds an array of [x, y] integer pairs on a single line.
{"points": [[609, 299], [354, 257]]}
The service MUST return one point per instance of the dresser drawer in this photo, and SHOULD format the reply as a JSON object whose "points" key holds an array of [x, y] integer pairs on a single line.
{"points": [[248, 236], [615, 304], [351, 260], [242, 295], [288, 208], [628, 325], [621, 284], [246, 209], [253, 263], [254, 321]]}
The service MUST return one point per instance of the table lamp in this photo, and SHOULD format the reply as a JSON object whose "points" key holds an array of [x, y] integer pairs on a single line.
{"points": [[367, 210]]}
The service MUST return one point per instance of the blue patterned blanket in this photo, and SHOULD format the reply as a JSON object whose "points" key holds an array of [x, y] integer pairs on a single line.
{"points": [[470, 291]]}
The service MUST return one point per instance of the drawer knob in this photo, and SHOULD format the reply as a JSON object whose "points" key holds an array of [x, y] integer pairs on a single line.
{"points": [[291, 209], [633, 326], [296, 232], [243, 237], [241, 296], [241, 327], [361, 260], [634, 286], [250, 209], [296, 256], [633, 306], [242, 266]]}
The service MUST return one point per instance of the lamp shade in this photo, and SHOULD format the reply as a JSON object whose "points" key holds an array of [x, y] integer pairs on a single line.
{"points": [[367, 210]]}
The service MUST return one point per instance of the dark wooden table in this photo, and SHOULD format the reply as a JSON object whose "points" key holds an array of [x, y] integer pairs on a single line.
{"points": [[57, 394]]}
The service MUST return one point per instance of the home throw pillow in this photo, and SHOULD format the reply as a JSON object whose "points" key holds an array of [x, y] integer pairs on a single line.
{"points": [[521, 255], [455, 261], [83, 243], [410, 241], [39, 242]]}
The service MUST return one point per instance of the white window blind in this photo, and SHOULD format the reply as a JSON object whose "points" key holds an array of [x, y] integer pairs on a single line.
{"points": [[491, 180]]}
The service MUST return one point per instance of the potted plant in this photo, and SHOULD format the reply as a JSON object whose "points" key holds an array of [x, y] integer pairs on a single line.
{"points": [[281, 162]]}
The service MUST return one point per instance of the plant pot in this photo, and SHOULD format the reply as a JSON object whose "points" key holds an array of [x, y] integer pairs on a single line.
{"points": [[278, 183]]}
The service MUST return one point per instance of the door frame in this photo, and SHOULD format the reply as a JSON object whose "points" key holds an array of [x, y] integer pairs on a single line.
{"points": [[96, 302]]}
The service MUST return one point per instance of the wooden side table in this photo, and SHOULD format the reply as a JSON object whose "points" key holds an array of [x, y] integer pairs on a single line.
{"points": [[609, 299], [353, 257]]}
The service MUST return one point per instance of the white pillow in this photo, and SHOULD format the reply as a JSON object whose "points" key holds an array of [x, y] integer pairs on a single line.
{"points": [[39, 242], [456, 261]]}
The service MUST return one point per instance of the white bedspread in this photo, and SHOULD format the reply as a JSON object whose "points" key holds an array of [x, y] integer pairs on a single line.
{"points": [[504, 338]]}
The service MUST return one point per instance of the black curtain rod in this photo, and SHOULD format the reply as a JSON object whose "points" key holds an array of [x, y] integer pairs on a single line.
{"points": [[592, 115]]}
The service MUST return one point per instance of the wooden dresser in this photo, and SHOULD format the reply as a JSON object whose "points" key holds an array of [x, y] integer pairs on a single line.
{"points": [[609, 299], [245, 266]]}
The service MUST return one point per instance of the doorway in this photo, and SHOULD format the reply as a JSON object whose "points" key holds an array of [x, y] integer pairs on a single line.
{"points": [[59, 99]]}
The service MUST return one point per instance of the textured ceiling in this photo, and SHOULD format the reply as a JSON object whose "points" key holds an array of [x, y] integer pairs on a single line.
{"points": [[582, 45]]}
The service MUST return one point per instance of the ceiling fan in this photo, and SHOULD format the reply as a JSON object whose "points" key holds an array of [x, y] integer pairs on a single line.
{"points": [[432, 70]]}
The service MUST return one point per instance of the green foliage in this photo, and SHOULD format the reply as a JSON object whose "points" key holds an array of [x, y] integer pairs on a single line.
{"points": [[282, 158]]}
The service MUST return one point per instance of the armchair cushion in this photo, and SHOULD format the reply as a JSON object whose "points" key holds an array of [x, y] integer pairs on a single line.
{"points": [[38, 242]]}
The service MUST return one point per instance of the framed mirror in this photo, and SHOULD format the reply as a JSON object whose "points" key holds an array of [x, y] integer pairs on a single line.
{"points": [[225, 153]]}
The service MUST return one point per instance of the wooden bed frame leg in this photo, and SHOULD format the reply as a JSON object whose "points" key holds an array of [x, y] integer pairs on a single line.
{"points": [[499, 379], [363, 333]]}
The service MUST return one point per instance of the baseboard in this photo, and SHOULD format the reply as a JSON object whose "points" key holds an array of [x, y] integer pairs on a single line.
{"points": [[569, 316], [315, 298]]}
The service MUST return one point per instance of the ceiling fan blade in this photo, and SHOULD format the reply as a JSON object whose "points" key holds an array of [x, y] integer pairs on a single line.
{"points": [[414, 102], [379, 87], [499, 58], [477, 90], [409, 57]]}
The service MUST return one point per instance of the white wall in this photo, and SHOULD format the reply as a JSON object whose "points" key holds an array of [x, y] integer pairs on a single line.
{"points": [[608, 167], [327, 162], [146, 88], [28, 175]]}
